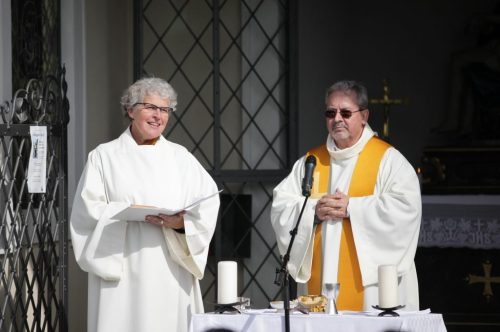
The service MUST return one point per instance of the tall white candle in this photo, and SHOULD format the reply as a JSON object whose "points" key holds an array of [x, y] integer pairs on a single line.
{"points": [[227, 282], [387, 286]]}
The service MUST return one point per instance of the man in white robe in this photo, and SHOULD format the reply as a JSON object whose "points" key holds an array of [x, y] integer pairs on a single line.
{"points": [[142, 275], [385, 225]]}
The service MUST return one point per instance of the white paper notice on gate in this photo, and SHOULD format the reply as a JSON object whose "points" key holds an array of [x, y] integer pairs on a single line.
{"points": [[37, 167]]}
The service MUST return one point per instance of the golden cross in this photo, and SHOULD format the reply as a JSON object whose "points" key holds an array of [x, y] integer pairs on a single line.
{"points": [[487, 279], [387, 102]]}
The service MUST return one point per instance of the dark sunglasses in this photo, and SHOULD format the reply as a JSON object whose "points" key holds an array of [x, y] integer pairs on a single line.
{"points": [[345, 114]]}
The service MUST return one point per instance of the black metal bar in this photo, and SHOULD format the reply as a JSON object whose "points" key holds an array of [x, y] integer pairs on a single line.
{"points": [[138, 12], [217, 124], [23, 130], [14, 130], [272, 176], [63, 204], [216, 85], [292, 81]]}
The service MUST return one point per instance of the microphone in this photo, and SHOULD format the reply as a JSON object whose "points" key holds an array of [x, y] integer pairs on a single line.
{"points": [[308, 176]]}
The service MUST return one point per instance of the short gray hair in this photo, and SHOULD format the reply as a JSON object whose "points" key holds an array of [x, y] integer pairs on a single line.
{"points": [[349, 87], [148, 86]]}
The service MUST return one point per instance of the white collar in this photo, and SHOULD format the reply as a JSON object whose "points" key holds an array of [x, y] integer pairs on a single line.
{"points": [[129, 139], [340, 154]]}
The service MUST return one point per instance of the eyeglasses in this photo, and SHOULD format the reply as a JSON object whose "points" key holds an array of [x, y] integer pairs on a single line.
{"points": [[345, 114], [151, 108]]}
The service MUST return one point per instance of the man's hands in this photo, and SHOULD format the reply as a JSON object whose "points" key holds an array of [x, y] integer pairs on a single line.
{"points": [[332, 206]]}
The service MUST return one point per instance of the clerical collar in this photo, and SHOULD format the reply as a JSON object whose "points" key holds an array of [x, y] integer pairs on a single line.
{"points": [[339, 154]]}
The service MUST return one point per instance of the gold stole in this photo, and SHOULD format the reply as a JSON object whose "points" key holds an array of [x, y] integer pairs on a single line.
{"points": [[362, 184]]}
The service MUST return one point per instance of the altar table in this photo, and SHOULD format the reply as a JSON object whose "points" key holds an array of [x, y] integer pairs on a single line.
{"points": [[315, 322]]}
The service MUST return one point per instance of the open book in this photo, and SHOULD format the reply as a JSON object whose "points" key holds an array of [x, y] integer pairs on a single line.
{"points": [[140, 212]]}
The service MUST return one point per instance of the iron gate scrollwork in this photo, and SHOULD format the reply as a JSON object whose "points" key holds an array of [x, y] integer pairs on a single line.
{"points": [[33, 228]]}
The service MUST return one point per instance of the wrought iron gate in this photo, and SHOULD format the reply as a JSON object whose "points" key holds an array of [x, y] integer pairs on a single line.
{"points": [[229, 61], [33, 228]]}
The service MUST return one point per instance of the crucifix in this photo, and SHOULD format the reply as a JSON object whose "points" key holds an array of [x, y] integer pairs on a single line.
{"points": [[487, 279], [387, 102]]}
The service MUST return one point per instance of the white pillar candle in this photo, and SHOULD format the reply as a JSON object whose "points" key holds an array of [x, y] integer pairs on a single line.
{"points": [[227, 282], [387, 286]]}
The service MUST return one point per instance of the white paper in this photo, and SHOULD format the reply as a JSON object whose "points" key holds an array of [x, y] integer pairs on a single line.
{"points": [[37, 167], [140, 213]]}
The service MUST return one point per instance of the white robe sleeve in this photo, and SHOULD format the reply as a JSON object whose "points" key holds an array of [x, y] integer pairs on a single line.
{"points": [[386, 225], [287, 203], [97, 240], [190, 250]]}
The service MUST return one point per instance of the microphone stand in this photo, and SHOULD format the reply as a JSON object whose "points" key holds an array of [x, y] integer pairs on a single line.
{"points": [[282, 274]]}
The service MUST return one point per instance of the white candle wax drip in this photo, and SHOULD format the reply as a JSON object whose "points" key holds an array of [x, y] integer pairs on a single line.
{"points": [[227, 282], [387, 286]]}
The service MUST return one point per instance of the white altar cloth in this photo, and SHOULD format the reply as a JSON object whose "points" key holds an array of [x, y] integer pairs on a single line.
{"points": [[315, 322]]}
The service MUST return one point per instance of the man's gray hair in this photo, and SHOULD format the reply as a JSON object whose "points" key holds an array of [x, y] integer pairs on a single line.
{"points": [[148, 86], [349, 87]]}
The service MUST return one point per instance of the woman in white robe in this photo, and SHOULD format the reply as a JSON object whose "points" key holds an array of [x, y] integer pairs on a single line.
{"points": [[143, 274]]}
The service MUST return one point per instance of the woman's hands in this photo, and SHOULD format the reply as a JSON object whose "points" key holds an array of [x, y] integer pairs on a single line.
{"points": [[175, 221]]}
